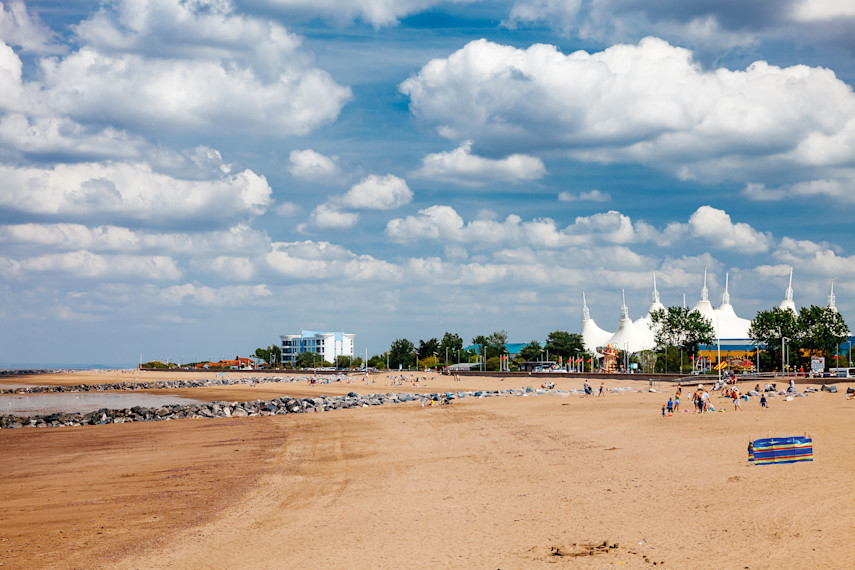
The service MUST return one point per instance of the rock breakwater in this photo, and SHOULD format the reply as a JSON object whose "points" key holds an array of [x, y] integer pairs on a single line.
{"points": [[276, 406], [158, 385]]}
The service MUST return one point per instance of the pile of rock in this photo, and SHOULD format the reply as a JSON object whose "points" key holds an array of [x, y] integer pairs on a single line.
{"points": [[276, 406], [159, 385]]}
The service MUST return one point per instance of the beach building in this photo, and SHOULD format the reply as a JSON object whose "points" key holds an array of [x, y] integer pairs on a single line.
{"points": [[592, 335], [328, 344], [731, 331], [628, 337]]}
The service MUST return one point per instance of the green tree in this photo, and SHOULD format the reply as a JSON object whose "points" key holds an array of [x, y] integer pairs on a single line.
{"points": [[402, 353], [450, 344], [496, 342], [768, 328], [822, 331], [344, 361], [427, 348], [275, 354], [377, 361], [564, 344], [531, 352], [491, 345], [682, 328], [309, 360], [263, 354]]}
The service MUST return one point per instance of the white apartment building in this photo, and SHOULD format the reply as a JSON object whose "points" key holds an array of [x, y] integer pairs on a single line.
{"points": [[328, 344]]}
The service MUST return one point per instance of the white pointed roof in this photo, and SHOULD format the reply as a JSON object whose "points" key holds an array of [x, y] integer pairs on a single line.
{"points": [[628, 337], [703, 306], [592, 335], [727, 323], [832, 300], [788, 302], [645, 324]]}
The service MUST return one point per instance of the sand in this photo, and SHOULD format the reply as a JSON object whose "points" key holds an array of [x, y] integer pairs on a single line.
{"points": [[483, 483]]}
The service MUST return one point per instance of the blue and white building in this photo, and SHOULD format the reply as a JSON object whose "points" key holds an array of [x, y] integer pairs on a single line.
{"points": [[329, 344]]}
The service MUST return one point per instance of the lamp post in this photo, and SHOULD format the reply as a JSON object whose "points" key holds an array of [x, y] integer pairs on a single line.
{"points": [[783, 340], [435, 363], [416, 365], [446, 356], [849, 354]]}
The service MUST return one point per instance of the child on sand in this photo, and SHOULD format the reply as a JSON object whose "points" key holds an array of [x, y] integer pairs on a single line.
{"points": [[763, 401]]}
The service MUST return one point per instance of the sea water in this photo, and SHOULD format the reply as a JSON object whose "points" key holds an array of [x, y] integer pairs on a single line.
{"points": [[83, 402]]}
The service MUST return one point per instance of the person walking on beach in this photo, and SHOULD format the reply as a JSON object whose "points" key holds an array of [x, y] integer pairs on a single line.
{"points": [[670, 405], [677, 403], [736, 404], [763, 401], [602, 393]]}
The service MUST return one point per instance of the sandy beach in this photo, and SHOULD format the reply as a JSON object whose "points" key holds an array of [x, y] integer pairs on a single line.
{"points": [[512, 482]]}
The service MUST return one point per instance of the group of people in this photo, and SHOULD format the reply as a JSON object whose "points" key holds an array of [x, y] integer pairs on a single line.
{"points": [[589, 391], [701, 400]]}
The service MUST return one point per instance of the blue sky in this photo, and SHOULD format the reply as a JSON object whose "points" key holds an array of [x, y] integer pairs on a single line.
{"points": [[190, 179]]}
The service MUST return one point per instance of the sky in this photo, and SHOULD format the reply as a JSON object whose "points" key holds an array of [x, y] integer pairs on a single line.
{"points": [[189, 179]]}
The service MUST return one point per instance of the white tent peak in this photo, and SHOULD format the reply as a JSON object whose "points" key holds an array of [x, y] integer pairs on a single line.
{"points": [[725, 297], [628, 336], [586, 314], [727, 324], [703, 306], [592, 335], [832, 300], [645, 324], [788, 302]]}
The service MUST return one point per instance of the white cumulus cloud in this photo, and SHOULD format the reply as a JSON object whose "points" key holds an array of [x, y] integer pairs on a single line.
{"points": [[311, 260], [327, 216], [19, 27], [85, 264], [378, 193], [460, 166], [311, 165], [166, 64], [132, 190], [443, 223], [715, 227], [213, 296], [646, 103]]}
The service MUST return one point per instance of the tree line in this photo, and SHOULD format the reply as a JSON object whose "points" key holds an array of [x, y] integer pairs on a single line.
{"points": [[679, 333], [486, 349], [779, 333]]}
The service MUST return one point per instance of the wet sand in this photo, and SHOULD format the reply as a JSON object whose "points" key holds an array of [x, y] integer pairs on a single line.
{"points": [[484, 483]]}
